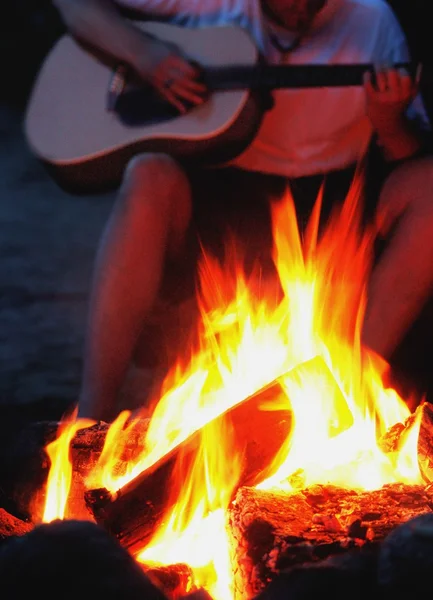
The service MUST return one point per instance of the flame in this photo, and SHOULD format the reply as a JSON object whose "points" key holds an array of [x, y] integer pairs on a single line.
{"points": [[201, 499], [60, 473], [307, 337]]}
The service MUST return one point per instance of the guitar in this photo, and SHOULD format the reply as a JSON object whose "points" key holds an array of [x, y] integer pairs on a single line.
{"points": [[85, 127]]}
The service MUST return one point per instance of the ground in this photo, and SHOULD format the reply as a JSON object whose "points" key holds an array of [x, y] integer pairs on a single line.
{"points": [[47, 249]]}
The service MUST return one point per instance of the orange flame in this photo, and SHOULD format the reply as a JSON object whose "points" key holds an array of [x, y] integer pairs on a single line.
{"points": [[196, 528], [60, 473], [308, 338]]}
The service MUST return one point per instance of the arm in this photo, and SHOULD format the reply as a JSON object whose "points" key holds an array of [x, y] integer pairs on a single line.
{"points": [[402, 141], [393, 100], [387, 102], [100, 24]]}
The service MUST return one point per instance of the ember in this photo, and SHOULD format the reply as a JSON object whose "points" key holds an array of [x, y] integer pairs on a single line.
{"points": [[277, 443]]}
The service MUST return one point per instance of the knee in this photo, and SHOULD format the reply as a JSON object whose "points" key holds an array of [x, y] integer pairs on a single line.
{"points": [[159, 171], [156, 180], [156, 186]]}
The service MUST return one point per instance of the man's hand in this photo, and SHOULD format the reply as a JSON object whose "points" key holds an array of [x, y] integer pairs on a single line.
{"points": [[172, 75], [388, 98], [386, 102]]}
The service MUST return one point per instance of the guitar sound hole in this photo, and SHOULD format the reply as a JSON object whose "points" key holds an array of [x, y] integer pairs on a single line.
{"points": [[142, 106]]}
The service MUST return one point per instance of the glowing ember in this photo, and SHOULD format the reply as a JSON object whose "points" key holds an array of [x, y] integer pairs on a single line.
{"points": [[309, 339]]}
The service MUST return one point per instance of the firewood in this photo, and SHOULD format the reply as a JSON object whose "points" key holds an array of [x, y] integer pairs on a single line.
{"points": [[85, 450], [349, 575], [134, 512], [174, 580], [392, 439], [10, 526], [25, 467], [272, 531]]}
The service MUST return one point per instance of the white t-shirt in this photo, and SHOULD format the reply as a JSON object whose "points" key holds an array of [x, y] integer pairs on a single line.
{"points": [[308, 131]]}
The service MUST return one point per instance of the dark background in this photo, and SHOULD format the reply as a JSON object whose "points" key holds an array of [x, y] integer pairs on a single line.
{"points": [[48, 238]]}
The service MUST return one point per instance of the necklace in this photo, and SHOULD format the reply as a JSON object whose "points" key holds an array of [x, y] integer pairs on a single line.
{"points": [[285, 48]]}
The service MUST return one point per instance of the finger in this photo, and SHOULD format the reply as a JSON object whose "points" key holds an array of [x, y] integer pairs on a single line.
{"points": [[381, 79], [181, 90], [393, 81], [168, 95], [170, 80], [191, 84], [368, 83], [195, 86], [180, 64], [175, 71], [408, 85]]}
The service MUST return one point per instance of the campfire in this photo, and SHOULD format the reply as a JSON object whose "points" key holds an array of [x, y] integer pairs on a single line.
{"points": [[275, 442]]}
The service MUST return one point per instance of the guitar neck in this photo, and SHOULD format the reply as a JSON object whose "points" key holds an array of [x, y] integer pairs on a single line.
{"points": [[291, 76]]}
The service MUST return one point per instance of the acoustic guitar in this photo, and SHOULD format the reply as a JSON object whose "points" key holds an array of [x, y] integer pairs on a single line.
{"points": [[87, 116]]}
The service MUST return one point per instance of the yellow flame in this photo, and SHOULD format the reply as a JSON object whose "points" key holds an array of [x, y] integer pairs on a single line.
{"points": [[310, 340], [304, 333], [60, 473], [196, 529]]}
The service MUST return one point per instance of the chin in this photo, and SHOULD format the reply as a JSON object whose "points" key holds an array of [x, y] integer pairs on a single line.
{"points": [[296, 26]]}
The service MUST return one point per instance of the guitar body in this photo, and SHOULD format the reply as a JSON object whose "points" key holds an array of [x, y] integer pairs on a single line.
{"points": [[87, 147]]}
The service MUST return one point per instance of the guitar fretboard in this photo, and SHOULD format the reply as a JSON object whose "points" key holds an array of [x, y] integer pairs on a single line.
{"points": [[291, 76]]}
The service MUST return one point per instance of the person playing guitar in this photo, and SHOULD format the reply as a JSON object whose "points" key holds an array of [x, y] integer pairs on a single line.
{"points": [[305, 135]]}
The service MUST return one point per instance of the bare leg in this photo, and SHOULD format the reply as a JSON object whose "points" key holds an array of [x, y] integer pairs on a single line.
{"points": [[148, 222], [403, 279]]}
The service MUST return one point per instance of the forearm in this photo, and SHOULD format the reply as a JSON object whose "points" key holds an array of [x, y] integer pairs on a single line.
{"points": [[99, 23], [398, 140]]}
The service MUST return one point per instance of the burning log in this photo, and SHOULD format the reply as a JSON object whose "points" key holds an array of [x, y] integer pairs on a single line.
{"points": [[274, 531], [24, 469], [174, 580], [86, 448], [391, 440], [135, 511], [349, 575], [25, 465]]}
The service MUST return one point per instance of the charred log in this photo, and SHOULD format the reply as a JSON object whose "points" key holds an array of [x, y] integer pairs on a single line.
{"points": [[134, 513], [174, 580], [350, 575], [275, 531]]}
